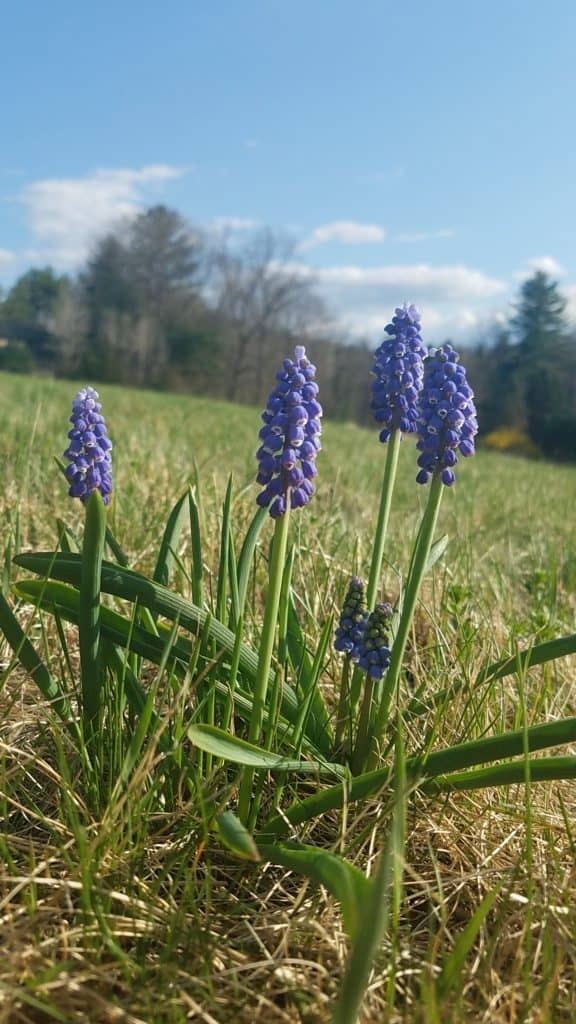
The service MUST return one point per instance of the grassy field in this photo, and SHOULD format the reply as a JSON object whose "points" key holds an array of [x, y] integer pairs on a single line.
{"points": [[137, 914]]}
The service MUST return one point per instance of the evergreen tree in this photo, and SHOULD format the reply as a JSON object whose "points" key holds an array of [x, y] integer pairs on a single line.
{"points": [[545, 355]]}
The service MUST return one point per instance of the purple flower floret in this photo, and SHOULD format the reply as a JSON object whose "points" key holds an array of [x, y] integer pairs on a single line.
{"points": [[89, 451], [352, 620], [398, 368], [290, 437], [373, 649], [447, 421]]}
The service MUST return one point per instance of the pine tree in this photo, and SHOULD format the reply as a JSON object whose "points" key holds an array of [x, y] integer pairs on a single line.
{"points": [[545, 359]]}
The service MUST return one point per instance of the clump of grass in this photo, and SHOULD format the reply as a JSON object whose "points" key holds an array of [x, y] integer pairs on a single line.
{"points": [[121, 894]]}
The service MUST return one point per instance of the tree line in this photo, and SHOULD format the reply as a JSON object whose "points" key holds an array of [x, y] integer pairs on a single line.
{"points": [[160, 304]]}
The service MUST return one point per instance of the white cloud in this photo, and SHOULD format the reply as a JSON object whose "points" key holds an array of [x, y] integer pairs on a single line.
{"points": [[6, 257], [547, 264], [439, 322], [67, 214], [455, 301], [424, 236], [345, 232], [415, 281]]}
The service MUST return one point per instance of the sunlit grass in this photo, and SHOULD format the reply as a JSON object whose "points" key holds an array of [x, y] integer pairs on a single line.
{"points": [[140, 916]]}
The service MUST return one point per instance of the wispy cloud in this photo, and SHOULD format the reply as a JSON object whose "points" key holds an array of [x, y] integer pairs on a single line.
{"points": [[66, 215], [456, 301], [423, 236], [6, 257], [344, 232], [223, 224]]}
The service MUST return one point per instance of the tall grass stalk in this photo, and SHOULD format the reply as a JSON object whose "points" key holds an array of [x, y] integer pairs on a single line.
{"points": [[413, 583], [279, 548]]}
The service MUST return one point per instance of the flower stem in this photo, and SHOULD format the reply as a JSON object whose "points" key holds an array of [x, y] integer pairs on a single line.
{"points": [[89, 613], [413, 584], [279, 546], [363, 734], [343, 712], [388, 481]]}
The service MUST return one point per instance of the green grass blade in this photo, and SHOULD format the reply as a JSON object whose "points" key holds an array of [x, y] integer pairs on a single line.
{"points": [[236, 837], [120, 556], [235, 613], [67, 540], [539, 654], [436, 551], [223, 558], [452, 970], [132, 586], [196, 539], [495, 748], [451, 759], [312, 696], [26, 654], [64, 601], [246, 556], [382, 906], [215, 741], [346, 883], [542, 769], [307, 672], [170, 540]]}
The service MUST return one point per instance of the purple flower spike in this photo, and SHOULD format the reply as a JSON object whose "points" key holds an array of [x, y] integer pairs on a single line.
{"points": [[89, 452], [352, 620], [447, 421], [399, 369], [290, 437], [373, 649]]}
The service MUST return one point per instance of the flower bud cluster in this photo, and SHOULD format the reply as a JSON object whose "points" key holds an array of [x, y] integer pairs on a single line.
{"points": [[89, 451], [352, 620], [290, 437], [398, 369], [373, 648], [447, 421]]}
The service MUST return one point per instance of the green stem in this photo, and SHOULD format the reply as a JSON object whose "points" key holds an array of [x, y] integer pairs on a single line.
{"points": [[413, 584], [388, 480], [89, 611], [383, 516], [343, 712], [266, 650], [362, 736]]}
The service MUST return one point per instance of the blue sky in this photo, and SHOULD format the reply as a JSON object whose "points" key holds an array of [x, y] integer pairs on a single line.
{"points": [[423, 152]]}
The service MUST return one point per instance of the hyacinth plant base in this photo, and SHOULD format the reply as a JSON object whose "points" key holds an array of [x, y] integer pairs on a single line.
{"points": [[164, 706]]}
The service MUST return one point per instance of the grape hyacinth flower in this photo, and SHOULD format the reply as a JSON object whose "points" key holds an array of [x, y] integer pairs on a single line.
{"points": [[398, 368], [290, 437], [447, 421], [352, 620], [373, 649], [89, 451]]}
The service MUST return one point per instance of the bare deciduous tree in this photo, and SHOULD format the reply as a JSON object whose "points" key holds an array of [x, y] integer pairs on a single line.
{"points": [[263, 297]]}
